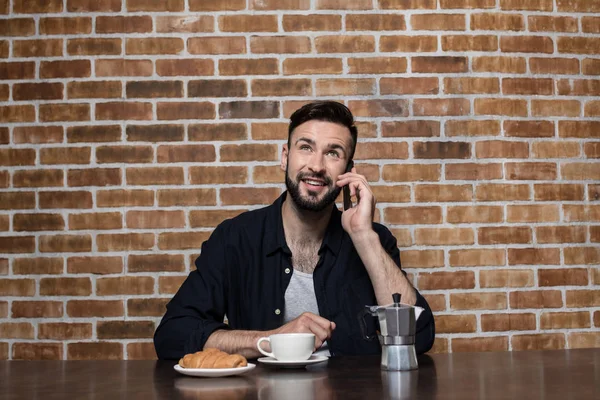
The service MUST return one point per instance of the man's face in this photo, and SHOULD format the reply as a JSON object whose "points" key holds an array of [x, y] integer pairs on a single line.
{"points": [[318, 152]]}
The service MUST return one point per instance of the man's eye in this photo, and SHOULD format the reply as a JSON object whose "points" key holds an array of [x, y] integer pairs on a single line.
{"points": [[333, 153], [304, 147]]}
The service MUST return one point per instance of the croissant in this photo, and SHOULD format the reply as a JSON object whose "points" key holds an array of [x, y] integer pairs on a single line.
{"points": [[213, 358]]}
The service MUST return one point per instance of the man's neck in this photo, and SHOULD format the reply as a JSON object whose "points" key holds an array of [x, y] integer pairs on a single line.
{"points": [[298, 223]]}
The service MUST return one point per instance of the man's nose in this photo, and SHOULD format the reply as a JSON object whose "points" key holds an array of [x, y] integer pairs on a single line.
{"points": [[316, 163]]}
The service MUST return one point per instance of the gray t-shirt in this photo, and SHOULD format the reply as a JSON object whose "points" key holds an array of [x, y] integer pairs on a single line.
{"points": [[300, 297]]}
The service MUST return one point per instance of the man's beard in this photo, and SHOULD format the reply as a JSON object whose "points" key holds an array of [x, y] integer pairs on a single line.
{"points": [[311, 203]]}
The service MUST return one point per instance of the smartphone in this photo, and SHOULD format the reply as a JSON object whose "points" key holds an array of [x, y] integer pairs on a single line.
{"points": [[346, 189]]}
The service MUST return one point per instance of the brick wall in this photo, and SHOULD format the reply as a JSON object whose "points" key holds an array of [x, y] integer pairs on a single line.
{"points": [[130, 128]]}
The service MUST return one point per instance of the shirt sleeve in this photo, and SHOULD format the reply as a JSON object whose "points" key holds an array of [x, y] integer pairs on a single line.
{"points": [[425, 330], [198, 307]]}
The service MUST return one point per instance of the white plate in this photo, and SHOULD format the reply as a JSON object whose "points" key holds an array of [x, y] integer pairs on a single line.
{"points": [[314, 359], [214, 372]]}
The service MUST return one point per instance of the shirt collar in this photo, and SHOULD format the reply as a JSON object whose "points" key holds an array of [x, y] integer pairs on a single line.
{"points": [[275, 237]]}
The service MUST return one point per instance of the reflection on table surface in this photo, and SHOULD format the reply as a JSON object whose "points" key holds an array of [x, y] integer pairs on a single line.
{"points": [[568, 374]]}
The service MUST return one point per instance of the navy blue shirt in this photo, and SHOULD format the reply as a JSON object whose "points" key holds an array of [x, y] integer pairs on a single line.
{"points": [[243, 272]]}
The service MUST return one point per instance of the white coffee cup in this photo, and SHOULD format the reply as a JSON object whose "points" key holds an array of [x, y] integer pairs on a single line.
{"points": [[289, 346]]}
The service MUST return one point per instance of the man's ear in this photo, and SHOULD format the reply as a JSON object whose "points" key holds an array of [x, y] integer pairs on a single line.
{"points": [[284, 157]]}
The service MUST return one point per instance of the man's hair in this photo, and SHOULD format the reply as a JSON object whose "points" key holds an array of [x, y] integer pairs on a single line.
{"points": [[329, 111]]}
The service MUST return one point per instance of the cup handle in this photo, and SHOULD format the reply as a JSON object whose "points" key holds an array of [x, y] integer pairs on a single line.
{"points": [[264, 339]]}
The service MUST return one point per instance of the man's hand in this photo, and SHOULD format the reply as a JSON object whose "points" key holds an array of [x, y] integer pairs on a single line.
{"points": [[358, 219], [309, 323]]}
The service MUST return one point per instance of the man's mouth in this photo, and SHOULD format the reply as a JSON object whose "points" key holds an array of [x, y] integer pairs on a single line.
{"points": [[314, 182]]}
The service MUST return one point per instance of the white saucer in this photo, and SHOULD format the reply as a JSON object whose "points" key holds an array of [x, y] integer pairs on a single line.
{"points": [[213, 372], [314, 359]]}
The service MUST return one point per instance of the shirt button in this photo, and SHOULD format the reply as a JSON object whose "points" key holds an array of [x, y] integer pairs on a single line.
{"points": [[277, 311], [287, 270]]}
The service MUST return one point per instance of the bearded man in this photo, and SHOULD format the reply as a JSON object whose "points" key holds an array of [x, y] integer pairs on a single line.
{"points": [[299, 265]]}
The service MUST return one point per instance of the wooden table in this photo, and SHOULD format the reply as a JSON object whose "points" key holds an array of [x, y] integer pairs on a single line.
{"points": [[530, 375]]}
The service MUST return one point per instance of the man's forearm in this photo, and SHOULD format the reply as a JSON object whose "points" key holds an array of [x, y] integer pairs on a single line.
{"points": [[236, 341], [385, 275]]}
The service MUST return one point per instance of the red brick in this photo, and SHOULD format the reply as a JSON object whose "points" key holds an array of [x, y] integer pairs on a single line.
{"points": [[564, 320], [217, 45], [382, 150], [186, 153], [592, 150], [94, 46], [125, 241], [580, 171], [553, 192], [531, 171], [65, 243], [65, 286], [124, 285], [95, 308], [527, 44], [341, 4], [502, 192], [471, 85], [211, 218], [38, 222], [37, 6], [442, 150], [345, 44], [504, 235], [477, 257], [94, 177], [541, 86], [475, 214], [422, 258], [469, 4], [37, 309], [141, 351], [144, 5], [303, 87], [247, 23], [558, 149], [37, 351], [93, 6], [17, 70], [536, 299], [497, 22], [185, 67], [38, 178], [122, 67], [17, 27], [124, 111], [379, 108], [531, 5], [221, 88], [412, 215], [18, 113], [155, 263], [501, 149], [478, 301], [95, 265], [409, 86], [65, 155], [17, 287], [443, 193], [170, 284], [407, 4], [187, 197], [312, 22], [108, 220], [95, 351], [549, 341], [506, 278], [508, 322], [185, 110], [534, 256], [17, 244], [561, 277], [124, 24], [64, 331], [221, 131], [123, 198], [592, 108], [584, 340], [38, 266], [416, 128], [154, 89], [154, 45], [375, 22], [155, 219], [37, 134], [99, 133], [444, 236], [64, 112], [439, 64], [579, 87], [579, 45], [532, 213], [155, 176], [411, 172], [65, 26], [182, 240], [249, 109], [583, 298], [546, 108], [582, 255], [590, 24], [307, 66], [65, 69], [370, 65], [218, 175], [249, 196], [529, 128], [554, 65], [155, 133], [185, 24], [473, 171], [496, 343], [124, 154], [504, 106], [514, 65], [456, 323], [147, 307], [470, 43], [280, 44], [124, 329], [16, 330], [446, 280], [560, 234], [37, 91]]}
